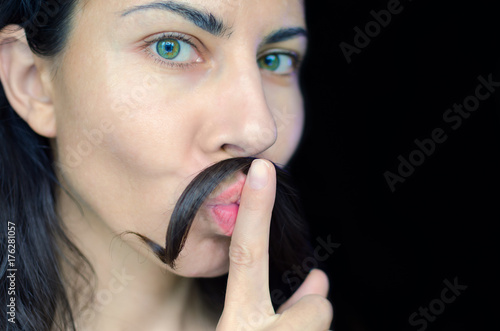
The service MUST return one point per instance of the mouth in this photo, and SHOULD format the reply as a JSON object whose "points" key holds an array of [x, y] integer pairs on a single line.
{"points": [[217, 191], [223, 207]]}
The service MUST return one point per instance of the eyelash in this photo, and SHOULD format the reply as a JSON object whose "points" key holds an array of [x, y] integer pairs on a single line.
{"points": [[297, 59]]}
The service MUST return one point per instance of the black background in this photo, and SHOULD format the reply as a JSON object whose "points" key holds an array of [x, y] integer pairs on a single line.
{"points": [[398, 248]]}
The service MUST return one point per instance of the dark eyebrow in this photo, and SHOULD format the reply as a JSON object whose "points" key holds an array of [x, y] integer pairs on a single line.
{"points": [[204, 20], [284, 34]]}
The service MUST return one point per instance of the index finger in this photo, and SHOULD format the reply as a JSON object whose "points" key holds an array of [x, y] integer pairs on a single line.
{"points": [[248, 280]]}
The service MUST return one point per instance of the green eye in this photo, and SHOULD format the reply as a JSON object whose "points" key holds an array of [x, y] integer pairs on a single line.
{"points": [[278, 63], [169, 48], [270, 62]]}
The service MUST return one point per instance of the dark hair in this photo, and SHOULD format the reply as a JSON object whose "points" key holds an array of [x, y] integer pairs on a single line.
{"points": [[28, 185], [27, 192], [286, 222]]}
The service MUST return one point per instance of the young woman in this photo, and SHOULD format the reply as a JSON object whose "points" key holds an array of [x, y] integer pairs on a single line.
{"points": [[110, 110]]}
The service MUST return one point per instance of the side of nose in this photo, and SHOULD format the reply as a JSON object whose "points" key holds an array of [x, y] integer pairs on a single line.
{"points": [[240, 122]]}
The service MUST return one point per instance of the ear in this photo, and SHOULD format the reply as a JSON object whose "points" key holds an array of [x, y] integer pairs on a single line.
{"points": [[26, 81]]}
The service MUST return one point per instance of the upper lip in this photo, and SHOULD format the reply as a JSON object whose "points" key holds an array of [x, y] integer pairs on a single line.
{"points": [[228, 193]]}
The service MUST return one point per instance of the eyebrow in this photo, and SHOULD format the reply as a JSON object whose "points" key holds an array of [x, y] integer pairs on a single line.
{"points": [[284, 34], [210, 23], [203, 20]]}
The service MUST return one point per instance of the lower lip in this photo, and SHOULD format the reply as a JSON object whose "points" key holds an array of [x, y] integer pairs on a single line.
{"points": [[225, 217]]}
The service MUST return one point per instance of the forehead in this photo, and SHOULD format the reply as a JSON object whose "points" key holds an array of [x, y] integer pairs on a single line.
{"points": [[234, 12]]}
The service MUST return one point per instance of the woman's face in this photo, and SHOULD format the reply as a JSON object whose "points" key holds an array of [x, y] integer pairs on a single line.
{"points": [[149, 93]]}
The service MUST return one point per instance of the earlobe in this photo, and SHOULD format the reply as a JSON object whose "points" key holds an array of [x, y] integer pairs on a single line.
{"points": [[22, 77]]}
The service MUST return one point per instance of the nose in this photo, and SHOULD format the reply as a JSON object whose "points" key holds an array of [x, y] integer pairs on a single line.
{"points": [[241, 122]]}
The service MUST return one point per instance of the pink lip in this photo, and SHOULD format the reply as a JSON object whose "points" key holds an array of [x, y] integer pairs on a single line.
{"points": [[224, 206]]}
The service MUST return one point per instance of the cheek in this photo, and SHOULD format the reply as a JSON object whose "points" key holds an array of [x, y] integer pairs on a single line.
{"points": [[288, 112], [119, 144], [131, 121], [130, 114]]}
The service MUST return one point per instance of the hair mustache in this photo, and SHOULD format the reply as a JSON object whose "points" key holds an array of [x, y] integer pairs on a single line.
{"points": [[287, 225]]}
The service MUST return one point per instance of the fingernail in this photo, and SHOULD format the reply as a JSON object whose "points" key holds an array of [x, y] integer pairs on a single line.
{"points": [[258, 174]]}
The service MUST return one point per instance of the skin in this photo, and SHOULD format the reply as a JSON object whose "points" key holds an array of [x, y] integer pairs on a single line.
{"points": [[130, 132]]}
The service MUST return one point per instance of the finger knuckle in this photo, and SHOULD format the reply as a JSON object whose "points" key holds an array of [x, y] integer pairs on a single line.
{"points": [[240, 255]]}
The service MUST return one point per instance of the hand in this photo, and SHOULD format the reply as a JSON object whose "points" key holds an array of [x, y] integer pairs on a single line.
{"points": [[248, 303]]}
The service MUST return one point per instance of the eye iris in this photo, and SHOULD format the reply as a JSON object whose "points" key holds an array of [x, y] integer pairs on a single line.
{"points": [[271, 62], [169, 48]]}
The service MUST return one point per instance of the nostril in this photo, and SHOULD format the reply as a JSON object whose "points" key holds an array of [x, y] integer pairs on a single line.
{"points": [[233, 149]]}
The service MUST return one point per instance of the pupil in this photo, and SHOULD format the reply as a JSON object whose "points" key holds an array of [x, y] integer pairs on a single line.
{"points": [[169, 47], [270, 60]]}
